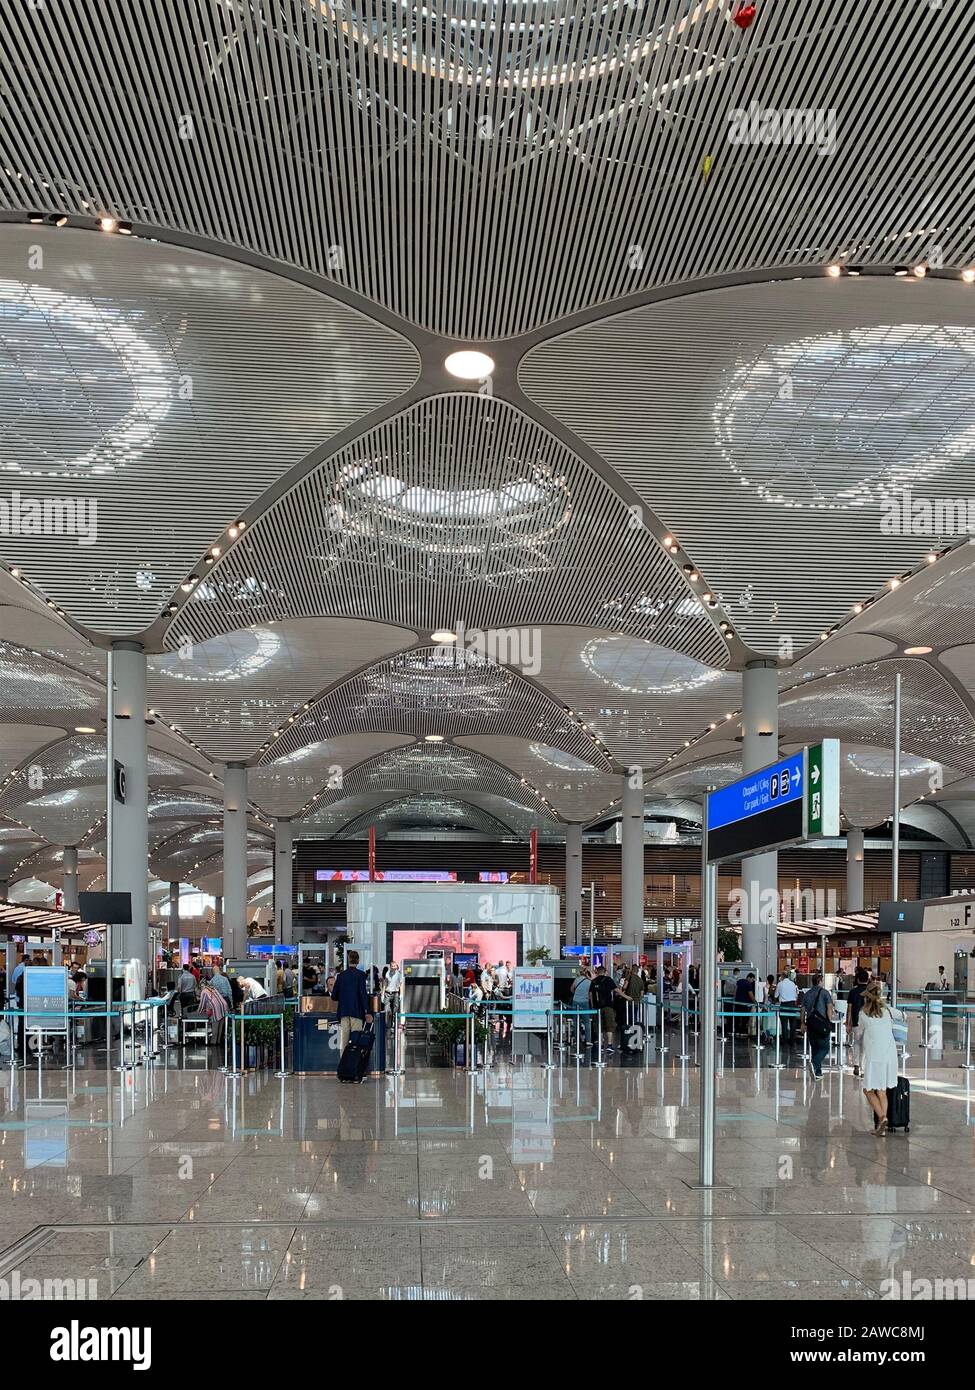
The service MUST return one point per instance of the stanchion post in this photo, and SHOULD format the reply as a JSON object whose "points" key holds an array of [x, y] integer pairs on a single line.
{"points": [[708, 1005], [282, 1072], [967, 1064]]}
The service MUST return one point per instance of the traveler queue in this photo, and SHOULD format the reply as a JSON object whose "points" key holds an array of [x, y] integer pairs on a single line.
{"points": [[869, 1027]]}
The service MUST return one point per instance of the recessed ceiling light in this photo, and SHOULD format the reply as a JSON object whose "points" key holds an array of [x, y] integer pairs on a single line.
{"points": [[932, 558], [107, 224], [443, 635], [434, 738], [895, 583], [89, 729], [916, 651], [834, 271], [469, 365], [968, 276], [920, 271]]}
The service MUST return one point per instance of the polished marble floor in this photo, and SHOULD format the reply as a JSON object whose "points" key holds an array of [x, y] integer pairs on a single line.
{"points": [[515, 1183]]}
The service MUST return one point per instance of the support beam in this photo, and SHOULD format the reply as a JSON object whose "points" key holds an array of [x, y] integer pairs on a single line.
{"points": [[760, 872], [854, 870], [283, 879], [174, 923], [235, 859], [631, 835], [129, 855], [573, 885], [69, 876]]}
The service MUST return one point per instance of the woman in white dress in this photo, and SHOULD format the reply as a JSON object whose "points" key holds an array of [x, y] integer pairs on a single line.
{"points": [[878, 1054]]}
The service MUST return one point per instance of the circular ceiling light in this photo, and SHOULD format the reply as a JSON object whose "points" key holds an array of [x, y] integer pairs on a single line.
{"points": [[90, 728], [442, 635], [434, 738], [916, 651], [469, 365]]}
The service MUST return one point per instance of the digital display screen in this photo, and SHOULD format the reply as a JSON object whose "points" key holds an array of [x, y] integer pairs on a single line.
{"points": [[385, 876]]}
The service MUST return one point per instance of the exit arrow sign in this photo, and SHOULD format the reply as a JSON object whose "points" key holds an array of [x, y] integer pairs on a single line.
{"points": [[823, 790]]}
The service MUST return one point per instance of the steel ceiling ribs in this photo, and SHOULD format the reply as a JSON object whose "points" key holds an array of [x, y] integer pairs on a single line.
{"points": [[480, 174]]}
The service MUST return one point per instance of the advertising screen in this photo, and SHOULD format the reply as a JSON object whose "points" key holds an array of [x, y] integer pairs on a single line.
{"points": [[490, 946], [385, 876]]}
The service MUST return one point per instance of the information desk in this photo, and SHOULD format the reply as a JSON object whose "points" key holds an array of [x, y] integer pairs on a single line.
{"points": [[316, 1043]]}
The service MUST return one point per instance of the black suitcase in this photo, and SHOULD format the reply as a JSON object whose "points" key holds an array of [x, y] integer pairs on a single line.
{"points": [[899, 1105], [354, 1062]]}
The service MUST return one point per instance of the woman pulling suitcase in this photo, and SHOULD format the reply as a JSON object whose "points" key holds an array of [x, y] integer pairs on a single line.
{"points": [[878, 1054]]}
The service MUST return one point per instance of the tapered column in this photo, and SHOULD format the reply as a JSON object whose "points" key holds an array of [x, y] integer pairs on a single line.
{"points": [[69, 877], [573, 885], [760, 872], [631, 835], [129, 790], [218, 917], [235, 859], [283, 847], [854, 870], [174, 910]]}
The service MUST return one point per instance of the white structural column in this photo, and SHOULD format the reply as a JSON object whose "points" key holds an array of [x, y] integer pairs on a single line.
{"points": [[283, 846], [174, 909], [69, 867], [235, 859], [760, 872], [218, 916], [130, 817], [631, 835], [854, 870], [573, 885]]}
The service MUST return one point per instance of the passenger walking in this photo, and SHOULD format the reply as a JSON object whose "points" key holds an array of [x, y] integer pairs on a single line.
{"points": [[879, 1054], [817, 1006], [350, 989]]}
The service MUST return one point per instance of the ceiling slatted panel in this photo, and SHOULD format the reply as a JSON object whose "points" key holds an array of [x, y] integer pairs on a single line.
{"points": [[228, 693], [440, 768], [160, 392], [459, 510], [767, 425], [445, 691], [482, 169]]}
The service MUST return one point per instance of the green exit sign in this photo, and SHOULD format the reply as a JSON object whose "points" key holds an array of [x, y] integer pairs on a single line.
{"points": [[823, 790]]}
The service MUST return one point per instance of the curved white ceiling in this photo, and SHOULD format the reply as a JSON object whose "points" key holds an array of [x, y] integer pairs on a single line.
{"points": [[765, 425], [151, 395]]}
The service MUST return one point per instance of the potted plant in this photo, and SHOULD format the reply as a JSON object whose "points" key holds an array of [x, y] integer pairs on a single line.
{"points": [[451, 1034], [537, 955]]}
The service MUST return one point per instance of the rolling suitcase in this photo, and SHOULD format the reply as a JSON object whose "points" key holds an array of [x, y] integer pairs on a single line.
{"points": [[354, 1062], [899, 1105]]}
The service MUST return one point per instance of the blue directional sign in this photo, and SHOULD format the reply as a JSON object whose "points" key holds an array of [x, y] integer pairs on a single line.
{"points": [[758, 812]]}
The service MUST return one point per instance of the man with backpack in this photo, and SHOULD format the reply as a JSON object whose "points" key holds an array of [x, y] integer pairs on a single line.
{"points": [[818, 1011], [602, 993]]}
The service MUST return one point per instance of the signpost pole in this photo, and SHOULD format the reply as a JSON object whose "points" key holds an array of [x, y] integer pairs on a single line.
{"points": [[895, 833], [707, 1004]]}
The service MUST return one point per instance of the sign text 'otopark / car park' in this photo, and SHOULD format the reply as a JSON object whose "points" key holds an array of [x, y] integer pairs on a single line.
{"points": [[794, 799]]}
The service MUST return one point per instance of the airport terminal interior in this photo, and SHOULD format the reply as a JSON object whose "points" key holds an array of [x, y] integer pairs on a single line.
{"points": [[487, 634]]}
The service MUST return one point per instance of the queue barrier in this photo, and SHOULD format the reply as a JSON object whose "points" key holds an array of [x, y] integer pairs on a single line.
{"points": [[232, 1033], [82, 1010]]}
